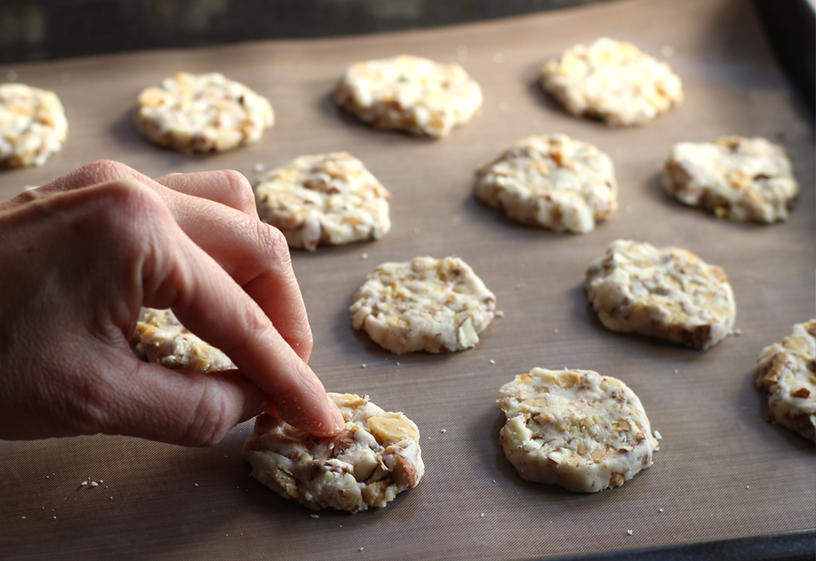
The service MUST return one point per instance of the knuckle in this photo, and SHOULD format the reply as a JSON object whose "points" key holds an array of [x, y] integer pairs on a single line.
{"points": [[240, 191], [212, 418], [273, 246], [104, 170]]}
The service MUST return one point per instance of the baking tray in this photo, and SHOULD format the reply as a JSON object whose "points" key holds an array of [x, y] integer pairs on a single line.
{"points": [[722, 472]]}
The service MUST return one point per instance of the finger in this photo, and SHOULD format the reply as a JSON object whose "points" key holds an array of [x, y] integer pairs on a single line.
{"points": [[256, 255], [179, 274], [183, 407], [227, 187]]}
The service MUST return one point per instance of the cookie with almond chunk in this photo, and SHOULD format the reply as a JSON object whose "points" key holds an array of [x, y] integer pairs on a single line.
{"points": [[375, 457], [324, 199], [435, 305], [668, 293], [202, 113], [551, 181], [787, 371], [32, 125], [737, 178], [575, 428]]}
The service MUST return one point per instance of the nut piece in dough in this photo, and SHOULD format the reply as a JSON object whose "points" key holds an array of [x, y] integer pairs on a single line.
{"points": [[574, 428], [668, 293], [32, 125], [409, 93], [787, 371], [202, 113], [551, 181], [738, 178], [435, 305], [375, 457], [161, 338], [612, 81], [328, 198]]}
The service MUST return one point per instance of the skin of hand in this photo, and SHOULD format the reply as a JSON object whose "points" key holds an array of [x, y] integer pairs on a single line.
{"points": [[82, 254]]}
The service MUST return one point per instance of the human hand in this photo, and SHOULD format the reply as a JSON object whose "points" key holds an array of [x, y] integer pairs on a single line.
{"points": [[81, 255]]}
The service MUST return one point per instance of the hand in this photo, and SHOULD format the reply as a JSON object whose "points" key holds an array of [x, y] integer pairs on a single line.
{"points": [[81, 255]]}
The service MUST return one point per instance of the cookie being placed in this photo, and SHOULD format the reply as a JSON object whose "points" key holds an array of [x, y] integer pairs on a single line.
{"points": [[409, 93], [426, 304], [202, 113], [574, 428], [787, 370], [32, 125], [612, 81], [668, 293], [161, 338], [738, 178], [327, 199], [375, 457], [551, 181]]}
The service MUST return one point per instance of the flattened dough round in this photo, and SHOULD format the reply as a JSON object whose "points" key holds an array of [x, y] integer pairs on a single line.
{"points": [[202, 113], [551, 181], [409, 93], [668, 293], [435, 305], [787, 371], [612, 81], [327, 199], [738, 178], [574, 428], [32, 125], [375, 457], [161, 338]]}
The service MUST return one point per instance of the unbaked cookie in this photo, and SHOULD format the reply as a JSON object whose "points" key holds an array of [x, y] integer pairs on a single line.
{"points": [[161, 338], [328, 198], [202, 113], [32, 125], [787, 370], [734, 177], [574, 428], [612, 81], [668, 293], [375, 457], [409, 93], [551, 181], [435, 305]]}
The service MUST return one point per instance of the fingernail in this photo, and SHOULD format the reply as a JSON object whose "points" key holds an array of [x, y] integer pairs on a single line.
{"points": [[339, 422]]}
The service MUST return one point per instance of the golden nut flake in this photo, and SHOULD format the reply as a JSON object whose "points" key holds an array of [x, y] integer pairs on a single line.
{"points": [[574, 428], [202, 113], [551, 181], [409, 93], [32, 125], [668, 293], [787, 371], [435, 305], [612, 81], [738, 178], [375, 457], [329, 199]]}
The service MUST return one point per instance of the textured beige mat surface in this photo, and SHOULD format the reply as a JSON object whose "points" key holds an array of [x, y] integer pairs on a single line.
{"points": [[721, 472]]}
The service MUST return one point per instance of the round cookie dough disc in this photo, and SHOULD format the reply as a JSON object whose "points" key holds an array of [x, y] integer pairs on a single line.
{"points": [[612, 81], [734, 177], [787, 370], [435, 305], [32, 125], [161, 338], [409, 93], [202, 113], [551, 181], [375, 457], [328, 198], [668, 293], [574, 428]]}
